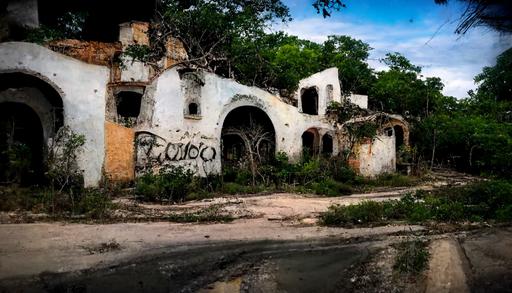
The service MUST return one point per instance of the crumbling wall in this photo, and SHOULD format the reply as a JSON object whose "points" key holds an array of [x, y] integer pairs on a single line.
{"points": [[377, 156], [173, 138], [82, 89], [328, 86], [92, 52]]}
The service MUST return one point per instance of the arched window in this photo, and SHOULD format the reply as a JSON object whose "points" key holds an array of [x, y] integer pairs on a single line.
{"points": [[193, 109], [327, 145], [310, 143], [309, 101]]}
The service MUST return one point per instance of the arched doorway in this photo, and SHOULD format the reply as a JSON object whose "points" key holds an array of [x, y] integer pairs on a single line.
{"points": [[310, 143], [247, 134], [399, 137], [31, 112], [327, 145], [21, 144]]}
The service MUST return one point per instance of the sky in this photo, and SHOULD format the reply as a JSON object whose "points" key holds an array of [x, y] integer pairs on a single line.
{"points": [[419, 29]]}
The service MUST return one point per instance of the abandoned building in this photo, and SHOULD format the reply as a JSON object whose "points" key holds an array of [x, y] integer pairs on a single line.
{"points": [[135, 117]]}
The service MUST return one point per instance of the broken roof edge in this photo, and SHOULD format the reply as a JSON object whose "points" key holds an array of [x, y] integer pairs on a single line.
{"points": [[374, 116]]}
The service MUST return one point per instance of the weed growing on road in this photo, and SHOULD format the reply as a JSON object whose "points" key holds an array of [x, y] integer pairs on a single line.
{"points": [[213, 213], [412, 257]]}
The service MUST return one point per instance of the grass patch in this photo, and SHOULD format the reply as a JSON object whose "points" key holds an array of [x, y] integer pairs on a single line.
{"points": [[89, 203], [388, 180], [412, 257], [330, 187], [490, 200], [212, 213]]}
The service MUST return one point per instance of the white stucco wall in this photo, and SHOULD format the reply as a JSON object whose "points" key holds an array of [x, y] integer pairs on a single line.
{"points": [[219, 96], [378, 157], [82, 88], [360, 100], [321, 80]]}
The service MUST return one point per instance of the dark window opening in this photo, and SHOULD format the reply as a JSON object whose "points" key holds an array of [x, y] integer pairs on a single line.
{"points": [[399, 137], [309, 143], [327, 145], [128, 104], [388, 131], [21, 145], [309, 100], [193, 109]]}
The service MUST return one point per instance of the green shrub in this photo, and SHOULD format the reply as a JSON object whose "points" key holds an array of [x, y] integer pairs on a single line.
{"points": [[172, 183], [476, 202], [330, 187], [412, 257], [94, 204], [391, 180], [362, 213]]}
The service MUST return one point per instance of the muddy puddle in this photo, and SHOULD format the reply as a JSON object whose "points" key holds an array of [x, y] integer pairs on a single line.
{"points": [[261, 267]]}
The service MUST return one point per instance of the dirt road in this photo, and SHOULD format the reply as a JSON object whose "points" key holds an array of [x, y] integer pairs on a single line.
{"points": [[29, 249]]}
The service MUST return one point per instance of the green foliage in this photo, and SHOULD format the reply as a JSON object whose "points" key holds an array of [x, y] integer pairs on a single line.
{"points": [[279, 61], [362, 213], [17, 162], [489, 200], [69, 26], [138, 52], [62, 168], [496, 81], [330, 187], [172, 183], [412, 257], [401, 89], [89, 203], [391, 180], [94, 204]]}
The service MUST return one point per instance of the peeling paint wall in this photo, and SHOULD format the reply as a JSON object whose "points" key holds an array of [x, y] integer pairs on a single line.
{"points": [[82, 88], [378, 156], [177, 134], [165, 132], [360, 100], [119, 153]]}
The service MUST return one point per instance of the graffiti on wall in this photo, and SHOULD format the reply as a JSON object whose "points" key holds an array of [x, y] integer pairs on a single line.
{"points": [[153, 151]]}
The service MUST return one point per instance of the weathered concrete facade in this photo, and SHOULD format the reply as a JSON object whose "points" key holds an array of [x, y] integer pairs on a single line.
{"points": [[135, 117]]}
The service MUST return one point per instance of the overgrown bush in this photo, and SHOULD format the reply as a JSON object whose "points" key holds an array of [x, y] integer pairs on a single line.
{"points": [[331, 187], [91, 203], [63, 171], [172, 183], [94, 204], [489, 200]]}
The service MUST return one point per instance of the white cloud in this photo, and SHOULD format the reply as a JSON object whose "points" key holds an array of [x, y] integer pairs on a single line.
{"points": [[456, 59]]}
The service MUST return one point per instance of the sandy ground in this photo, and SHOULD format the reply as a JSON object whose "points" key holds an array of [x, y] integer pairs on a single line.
{"points": [[29, 249], [40, 249]]}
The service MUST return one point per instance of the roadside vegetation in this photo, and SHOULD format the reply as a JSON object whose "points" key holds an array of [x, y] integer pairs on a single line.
{"points": [[477, 202], [320, 176]]}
